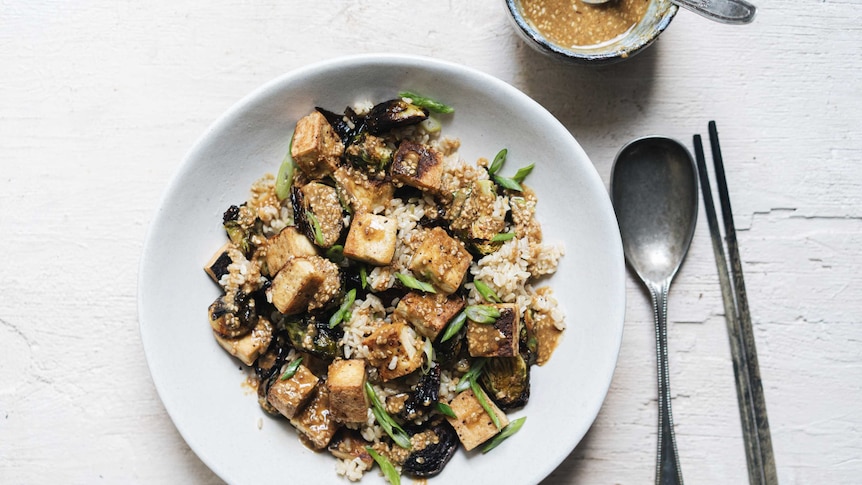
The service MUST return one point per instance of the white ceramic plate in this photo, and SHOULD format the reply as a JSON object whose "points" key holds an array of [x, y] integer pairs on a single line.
{"points": [[202, 386]]}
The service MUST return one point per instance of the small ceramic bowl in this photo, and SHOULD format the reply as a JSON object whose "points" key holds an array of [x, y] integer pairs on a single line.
{"points": [[655, 20]]}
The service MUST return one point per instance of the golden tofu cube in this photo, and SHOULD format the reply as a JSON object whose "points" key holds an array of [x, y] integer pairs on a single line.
{"points": [[363, 194], [316, 147], [248, 347], [429, 314], [419, 166], [441, 259], [217, 265], [498, 339], [330, 284], [289, 395], [394, 350], [346, 383], [371, 239], [294, 287], [287, 244], [315, 421], [322, 201], [472, 423]]}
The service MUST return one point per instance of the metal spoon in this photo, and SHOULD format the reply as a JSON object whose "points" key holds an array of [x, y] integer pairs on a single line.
{"points": [[725, 11], [654, 193]]}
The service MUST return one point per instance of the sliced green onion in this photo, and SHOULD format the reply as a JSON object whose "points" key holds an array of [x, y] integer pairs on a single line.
{"points": [[497, 164], [446, 410], [483, 400], [428, 349], [486, 292], [507, 183], [471, 375], [503, 236], [291, 369], [393, 429], [483, 313], [454, 326], [386, 466], [522, 173], [285, 177], [343, 313], [426, 102], [335, 253], [509, 430], [342, 199], [411, 282], [363, 276], [315, 228]]}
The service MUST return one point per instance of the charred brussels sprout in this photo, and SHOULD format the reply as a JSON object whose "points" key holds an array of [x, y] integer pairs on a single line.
{"points": [[393, 114], [483, 248], [231, 214], [507, 380], [370, 152], [233, 315], [427, 393], [314, 336], [430, 460], [239, 234]]}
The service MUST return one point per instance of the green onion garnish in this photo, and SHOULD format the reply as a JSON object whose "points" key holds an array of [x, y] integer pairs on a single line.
{"points": [[454, 326], [507, 183], [335, 253], [425, 102], [393, 429], [509, 430], [343, 313], [497, 164], [428, 349], [315, 228], [487, 293], [471, 375], [386, 466], [446, 410], [291, 369], [503, 236], [483, 313], [480, 396], [285, 176], [522, 173], [363, 276], [411, 282]]}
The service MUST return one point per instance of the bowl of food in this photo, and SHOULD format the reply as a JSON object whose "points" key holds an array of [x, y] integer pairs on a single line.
{"points": [[585, 32], [383, 263]]}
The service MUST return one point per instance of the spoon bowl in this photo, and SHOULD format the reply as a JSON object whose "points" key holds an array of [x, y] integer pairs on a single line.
{"points": [[654, 193]]}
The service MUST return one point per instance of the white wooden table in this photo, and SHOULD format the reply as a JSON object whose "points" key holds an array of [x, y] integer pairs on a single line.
{"points": [[99, 101]]}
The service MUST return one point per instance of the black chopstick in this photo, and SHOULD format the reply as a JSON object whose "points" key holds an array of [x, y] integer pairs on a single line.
{"points": [[752, 405]]}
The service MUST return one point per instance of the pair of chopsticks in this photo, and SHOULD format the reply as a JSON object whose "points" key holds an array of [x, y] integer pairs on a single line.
{"points": [[749, 389]]}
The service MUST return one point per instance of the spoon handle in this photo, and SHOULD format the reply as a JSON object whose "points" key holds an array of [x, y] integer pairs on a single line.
{"points": [[726, 11], [668, 471]]}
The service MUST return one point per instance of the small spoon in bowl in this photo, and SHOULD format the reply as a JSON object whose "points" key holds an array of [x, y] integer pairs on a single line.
{"points": [[725, 11], [654, 193]]}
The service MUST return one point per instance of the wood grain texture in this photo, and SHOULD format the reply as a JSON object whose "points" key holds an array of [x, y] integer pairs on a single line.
{"points": [[100, 100]]}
